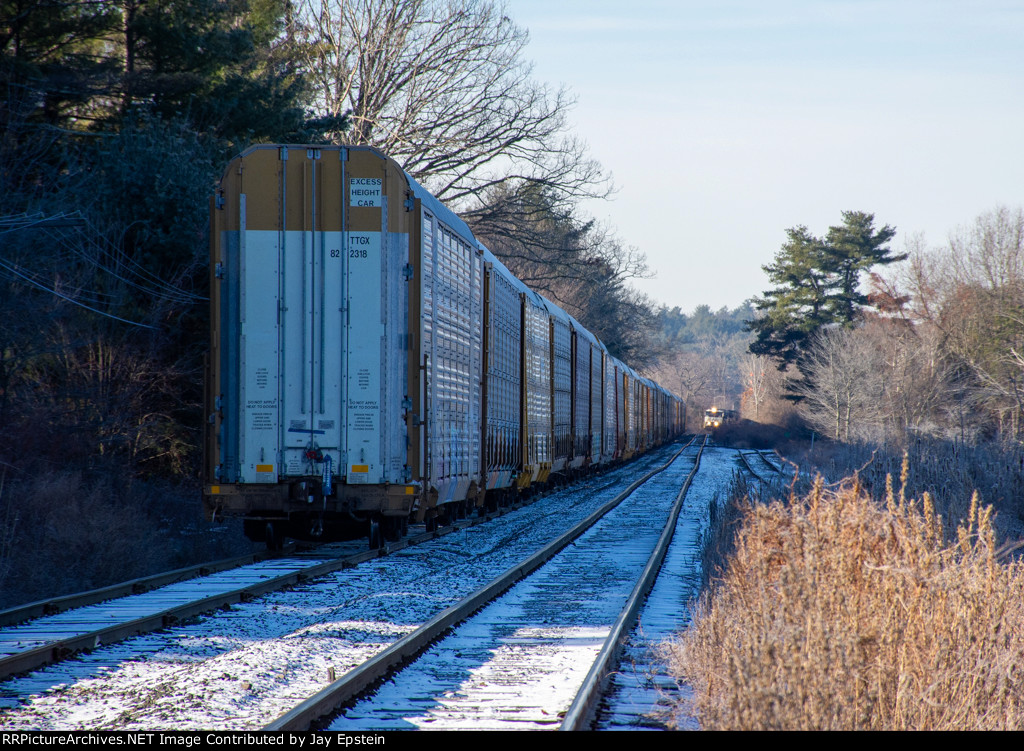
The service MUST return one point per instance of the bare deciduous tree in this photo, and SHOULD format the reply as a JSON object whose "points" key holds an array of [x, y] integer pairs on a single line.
{"points": [[841, 394], [915, 375], [758, 370], [972, 291], [700, 375], [885, 379], [442, 87]]}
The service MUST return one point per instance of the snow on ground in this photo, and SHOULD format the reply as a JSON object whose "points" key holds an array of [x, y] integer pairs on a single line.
{"points": [[242, 668], [519, 662], [643, 695]]}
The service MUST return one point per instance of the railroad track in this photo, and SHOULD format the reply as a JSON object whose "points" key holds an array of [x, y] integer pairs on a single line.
{"points": [[770, 464], [750, 458], [48, 631], [51, 638], [508, 665], [243, 665], [642, 693], [53, 605]]}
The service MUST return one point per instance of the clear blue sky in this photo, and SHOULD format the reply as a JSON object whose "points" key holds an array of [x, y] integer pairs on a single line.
{"points": [[724, 123]]}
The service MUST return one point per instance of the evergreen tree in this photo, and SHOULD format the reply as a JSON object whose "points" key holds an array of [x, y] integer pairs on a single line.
{"points": [[817, 283], [220, 64], [51, 61], [799, 304], [227, 67], [854, 247]]}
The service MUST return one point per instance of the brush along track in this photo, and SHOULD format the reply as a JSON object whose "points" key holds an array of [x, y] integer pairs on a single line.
{"points": [[549, 627]]}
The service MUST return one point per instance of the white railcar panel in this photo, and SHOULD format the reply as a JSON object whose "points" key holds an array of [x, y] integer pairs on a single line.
{"points": [[259, 413], [310, 335], [363, 352], [321, 363], [290, 354]]}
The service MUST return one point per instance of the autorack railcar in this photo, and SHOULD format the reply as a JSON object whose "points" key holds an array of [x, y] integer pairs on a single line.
{"points": [[373, 364]]}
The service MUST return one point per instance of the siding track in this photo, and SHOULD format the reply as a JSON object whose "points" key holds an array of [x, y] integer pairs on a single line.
{"points": [[46, 632]]}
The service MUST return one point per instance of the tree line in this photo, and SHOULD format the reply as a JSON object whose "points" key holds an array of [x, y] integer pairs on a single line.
{"points": [[117, 115], [116, 119], [934, 347]]}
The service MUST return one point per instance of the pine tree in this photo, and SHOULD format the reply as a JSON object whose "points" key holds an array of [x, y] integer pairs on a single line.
{"points": [[227, 67], [817, 283], [854, 247], [222, 65], [51, 64], [799, 304]]}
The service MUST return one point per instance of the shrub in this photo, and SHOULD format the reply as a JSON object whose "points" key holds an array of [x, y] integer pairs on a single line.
{"points": [[66, 531], [836, 612]]}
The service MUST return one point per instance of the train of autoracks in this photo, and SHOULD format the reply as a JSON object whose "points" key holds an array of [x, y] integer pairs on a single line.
{"points": [[373, 365]]}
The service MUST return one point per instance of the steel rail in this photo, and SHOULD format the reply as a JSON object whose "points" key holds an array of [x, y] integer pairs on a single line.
{"points": [[59, 649], [56, 650], [771, 465], [403, 651], [581, 712], [53, 605], [747, 465]]}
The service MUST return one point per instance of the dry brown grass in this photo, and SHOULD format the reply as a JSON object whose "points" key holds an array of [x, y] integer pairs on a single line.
{"points": [[836, 612], [950, 472]]}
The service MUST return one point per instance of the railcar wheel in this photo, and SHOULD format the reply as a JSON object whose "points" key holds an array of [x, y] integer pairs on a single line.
{"points": [[273, 537], [376, 538], [392, 528], [450, 514]]}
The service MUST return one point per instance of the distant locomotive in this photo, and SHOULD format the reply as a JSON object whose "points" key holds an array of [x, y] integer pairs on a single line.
{"points": [[373, 364], [715, 417]]}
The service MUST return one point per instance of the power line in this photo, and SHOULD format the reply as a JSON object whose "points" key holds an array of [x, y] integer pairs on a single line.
{"points": [[70, 239]]}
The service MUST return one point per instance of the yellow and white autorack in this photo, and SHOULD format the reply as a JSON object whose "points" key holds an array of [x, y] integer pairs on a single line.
{"points": [[372, 364]]}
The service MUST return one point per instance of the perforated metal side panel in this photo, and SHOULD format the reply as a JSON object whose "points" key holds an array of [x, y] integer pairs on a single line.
{"points": [[561, 372], [503, 381], [612, 408], [452, 319], [538, 388], [596, 402]]}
